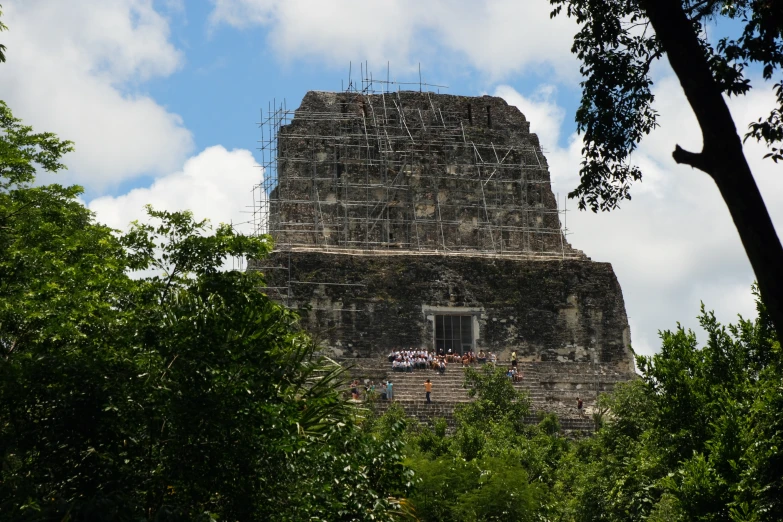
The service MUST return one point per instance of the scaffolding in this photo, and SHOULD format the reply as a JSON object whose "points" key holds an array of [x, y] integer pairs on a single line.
{"points": [[372, 168]]}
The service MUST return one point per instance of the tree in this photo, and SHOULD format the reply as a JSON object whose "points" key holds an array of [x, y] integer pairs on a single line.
{"points": [[3, 27], [184, 395], [696, 438], [55, 280], [496, 400], [617, 43], [494, 467]]}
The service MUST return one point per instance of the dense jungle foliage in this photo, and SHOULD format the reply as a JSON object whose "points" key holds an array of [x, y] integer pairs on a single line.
{"points": [[139, 381], [184, 393], [696, 437]]}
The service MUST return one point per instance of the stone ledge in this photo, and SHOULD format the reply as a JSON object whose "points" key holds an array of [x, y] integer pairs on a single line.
{"points": [[520, 256]]}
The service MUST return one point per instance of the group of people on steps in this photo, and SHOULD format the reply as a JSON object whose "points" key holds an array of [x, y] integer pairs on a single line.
{"points": [[410, 360], [384, 389], [407, 360]]}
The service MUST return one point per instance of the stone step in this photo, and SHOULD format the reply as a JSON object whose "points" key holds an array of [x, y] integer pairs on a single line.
{"points": [[458, 383], [447, 395], [458, 373], [550, 387], [427, 413], [555, 368]]}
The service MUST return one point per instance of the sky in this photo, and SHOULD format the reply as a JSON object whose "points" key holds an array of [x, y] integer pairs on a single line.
{"points": [[162, 99]]}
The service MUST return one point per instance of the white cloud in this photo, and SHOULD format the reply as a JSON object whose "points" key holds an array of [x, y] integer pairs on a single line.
{"points": [[674, 244], [544, 115], [216, 184], [73, 68], [497, 37], [174, 6]]}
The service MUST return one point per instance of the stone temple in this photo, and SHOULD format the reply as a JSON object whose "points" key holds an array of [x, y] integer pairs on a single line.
{"points": [[424, 220]]}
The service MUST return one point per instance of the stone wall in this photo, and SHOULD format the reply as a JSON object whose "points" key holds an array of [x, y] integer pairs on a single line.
{"points": [[394, 212], [364, 305], [413, 171]]}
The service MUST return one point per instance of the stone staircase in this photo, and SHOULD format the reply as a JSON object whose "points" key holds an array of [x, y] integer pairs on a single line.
{"points": [[553, 387]]}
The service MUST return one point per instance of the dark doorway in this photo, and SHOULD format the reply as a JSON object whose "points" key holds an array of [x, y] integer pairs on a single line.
{"points": [[454, 332]]}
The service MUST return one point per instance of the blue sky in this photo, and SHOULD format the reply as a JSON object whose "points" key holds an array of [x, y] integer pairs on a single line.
{"points": [[162, 99], [230, 73]]}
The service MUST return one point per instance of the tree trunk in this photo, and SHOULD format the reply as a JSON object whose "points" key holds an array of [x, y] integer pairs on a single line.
{"points": [[722, 156]]}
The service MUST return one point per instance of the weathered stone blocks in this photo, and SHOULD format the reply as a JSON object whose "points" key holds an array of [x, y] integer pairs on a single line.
{"points": [[368, 304], [420, 220]]}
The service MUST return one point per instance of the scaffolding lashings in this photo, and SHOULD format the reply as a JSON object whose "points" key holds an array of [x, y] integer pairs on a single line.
{"points": [[406, 171]]}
